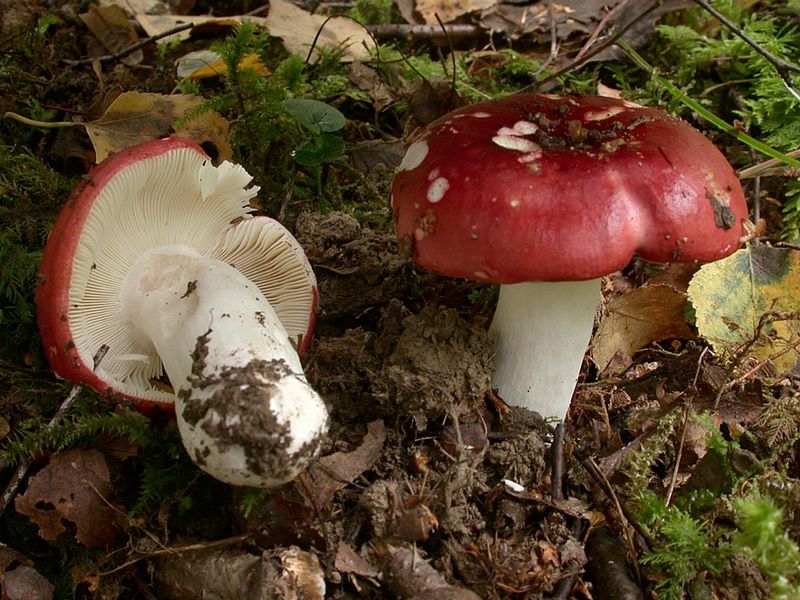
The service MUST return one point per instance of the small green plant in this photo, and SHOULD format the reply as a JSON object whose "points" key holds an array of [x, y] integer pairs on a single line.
{"points": [[272, 112], [763, 538], [321, 121], [686, 551], [372, 12]]}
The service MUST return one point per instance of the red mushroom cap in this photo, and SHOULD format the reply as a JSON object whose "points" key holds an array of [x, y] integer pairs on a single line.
{"points": [[535, 187], [90, 205]]}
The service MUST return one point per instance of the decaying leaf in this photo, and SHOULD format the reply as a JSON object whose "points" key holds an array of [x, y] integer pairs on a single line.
{"points": [[653, 312], [158, 24], [135, 7], [110, 25], [72, 489], [25, 583], [335, 471], [730, 297], [136, 117], [450, 10], [299, 28], [295, 26]]}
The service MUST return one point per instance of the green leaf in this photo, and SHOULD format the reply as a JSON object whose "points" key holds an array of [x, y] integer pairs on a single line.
{"points": [[731, 295], [322, 149], [314, 115]]}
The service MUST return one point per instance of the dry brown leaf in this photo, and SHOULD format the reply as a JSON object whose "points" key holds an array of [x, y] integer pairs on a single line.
{"points": [[158, 24], [135, 7], [69, 490], [450, 10], [335, 471], [348, 560], [650, 313], [26, 583], [298, 28], [370, 81], [110, 25], [295, 26]]}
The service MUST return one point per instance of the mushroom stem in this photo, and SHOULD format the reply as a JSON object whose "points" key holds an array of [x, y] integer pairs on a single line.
{"points": [[541, 332], [245, 411]]}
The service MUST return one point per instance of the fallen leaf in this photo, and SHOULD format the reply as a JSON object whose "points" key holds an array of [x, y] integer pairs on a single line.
{"points": [[209, 130], [348, 560], [69, 490], [135, 7], [158, 24], [25, 583], [299, 29], [653, 312], [296, 27], [110, 25], [450, 10], [135, 117], [335, 471], [370, 81], [204, 64], [730, 296]]}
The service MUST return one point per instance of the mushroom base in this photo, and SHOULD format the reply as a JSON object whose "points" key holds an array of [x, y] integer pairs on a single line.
{"points": [[245, 411], [541, 331]]}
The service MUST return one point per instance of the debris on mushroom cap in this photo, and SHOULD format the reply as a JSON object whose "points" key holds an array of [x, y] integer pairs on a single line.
{"points": [[538, 187], [160, 192]]}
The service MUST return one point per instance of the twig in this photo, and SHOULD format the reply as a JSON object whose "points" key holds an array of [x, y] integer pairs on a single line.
{"points": [[783, 67], [597, 474], [181, 549], [771, 166], [431, 33], [765, 319], [579, 61], [600, 26], [557, 484], [793, 346], [684, 425], [22, 468], [130, 49]]}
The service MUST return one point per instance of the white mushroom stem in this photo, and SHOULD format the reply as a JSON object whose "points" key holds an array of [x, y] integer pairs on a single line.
{"points": [[541, 331], [245, 411]]}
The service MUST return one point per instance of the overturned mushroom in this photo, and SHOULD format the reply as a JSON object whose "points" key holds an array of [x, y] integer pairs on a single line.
{"points": [[157, 257], [544, 195]]}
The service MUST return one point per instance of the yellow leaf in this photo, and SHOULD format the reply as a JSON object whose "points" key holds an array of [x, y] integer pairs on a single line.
{"points": [[136, 117], [731, 295]]}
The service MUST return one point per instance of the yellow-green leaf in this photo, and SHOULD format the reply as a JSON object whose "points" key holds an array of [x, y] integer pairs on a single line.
{"points": [[731, 295]]}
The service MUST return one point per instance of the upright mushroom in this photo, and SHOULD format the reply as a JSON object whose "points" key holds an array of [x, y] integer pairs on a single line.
{"points": [[544, 195], [157, 258]]}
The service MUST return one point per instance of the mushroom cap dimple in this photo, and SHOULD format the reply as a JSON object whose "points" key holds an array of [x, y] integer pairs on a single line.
{"points": [[164, 192], [536, 187]]}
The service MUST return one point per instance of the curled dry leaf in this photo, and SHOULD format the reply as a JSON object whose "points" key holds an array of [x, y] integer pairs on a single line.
{"points": [[73, 488], [656, 311]]}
